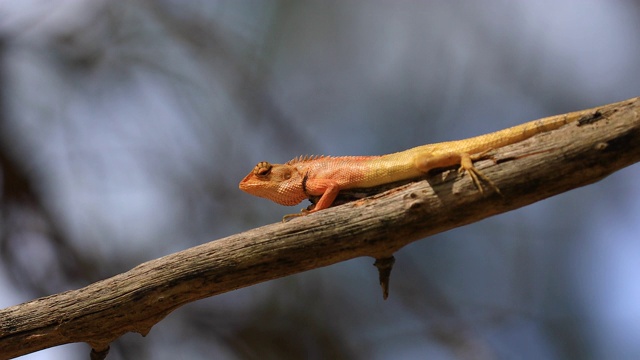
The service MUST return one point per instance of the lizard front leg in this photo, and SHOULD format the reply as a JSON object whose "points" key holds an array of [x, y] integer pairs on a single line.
{"points": [[325, 188]]}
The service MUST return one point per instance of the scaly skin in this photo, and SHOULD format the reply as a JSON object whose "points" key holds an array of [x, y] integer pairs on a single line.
{"points": [[325, 176]]}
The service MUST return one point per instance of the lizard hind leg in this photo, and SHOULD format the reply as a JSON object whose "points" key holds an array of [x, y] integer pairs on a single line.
{"points": [[426, 161], [466, 164]]}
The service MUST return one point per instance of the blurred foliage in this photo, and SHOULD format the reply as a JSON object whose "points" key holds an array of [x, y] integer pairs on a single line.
{"points": [[126, 126]]}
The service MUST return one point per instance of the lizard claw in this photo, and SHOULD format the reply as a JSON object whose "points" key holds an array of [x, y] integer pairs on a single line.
{"points": [[288, 217], [466, 164]]}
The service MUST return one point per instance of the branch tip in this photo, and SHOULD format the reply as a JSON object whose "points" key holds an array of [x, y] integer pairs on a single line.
{"points": [[99, 354], [384, 266]]}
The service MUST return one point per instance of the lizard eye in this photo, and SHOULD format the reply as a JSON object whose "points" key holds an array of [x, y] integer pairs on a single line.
{"points": [[263, 168]]}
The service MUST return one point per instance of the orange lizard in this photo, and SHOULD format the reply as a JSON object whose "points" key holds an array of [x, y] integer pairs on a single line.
{"points": [[325, 176]]}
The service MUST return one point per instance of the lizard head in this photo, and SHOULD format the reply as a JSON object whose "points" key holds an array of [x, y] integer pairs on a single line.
{"points": [[281, 183]]}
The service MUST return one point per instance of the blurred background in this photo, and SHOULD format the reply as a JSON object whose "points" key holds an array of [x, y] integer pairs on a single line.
{"points": [[125, 128]]}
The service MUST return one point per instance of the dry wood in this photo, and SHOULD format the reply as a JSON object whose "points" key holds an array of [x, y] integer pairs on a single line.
{"points": [[547, 164]]}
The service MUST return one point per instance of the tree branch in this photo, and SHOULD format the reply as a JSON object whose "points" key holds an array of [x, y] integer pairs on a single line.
{"points": [[605, 140]]}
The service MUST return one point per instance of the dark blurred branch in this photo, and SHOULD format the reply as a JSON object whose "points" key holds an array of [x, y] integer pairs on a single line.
{"points": [[245, 78], [604, 141], [22, 206]]}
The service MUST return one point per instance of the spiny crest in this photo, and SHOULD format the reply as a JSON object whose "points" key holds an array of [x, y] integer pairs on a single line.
{"points": [[303, 158]]}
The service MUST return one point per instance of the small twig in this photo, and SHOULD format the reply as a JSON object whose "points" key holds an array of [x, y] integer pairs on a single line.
{"points": [[384, 266], [99, 354]]}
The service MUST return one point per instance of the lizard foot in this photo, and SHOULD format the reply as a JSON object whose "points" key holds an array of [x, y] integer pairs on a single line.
{"points": [[466, 164], [302, 212]]}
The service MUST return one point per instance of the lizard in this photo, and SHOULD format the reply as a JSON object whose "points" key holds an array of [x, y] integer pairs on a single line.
{"points": [[324, 176]]}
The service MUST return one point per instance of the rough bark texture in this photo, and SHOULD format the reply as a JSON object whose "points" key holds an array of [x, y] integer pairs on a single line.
{"points": [[547, 164]]}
